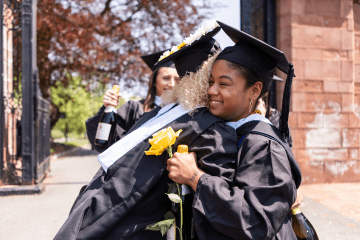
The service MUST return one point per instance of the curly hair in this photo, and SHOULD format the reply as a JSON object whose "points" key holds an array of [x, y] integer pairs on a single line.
{"points": [[192, 91]]}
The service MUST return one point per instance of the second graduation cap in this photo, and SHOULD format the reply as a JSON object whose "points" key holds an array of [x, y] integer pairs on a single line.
{"points": [[152, 59]]}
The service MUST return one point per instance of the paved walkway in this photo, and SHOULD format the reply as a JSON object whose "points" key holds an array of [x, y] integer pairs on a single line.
{"points": [[39, 217], [331, 208]]}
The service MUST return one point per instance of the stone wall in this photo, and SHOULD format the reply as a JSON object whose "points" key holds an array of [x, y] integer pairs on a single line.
{"points": [[322, 39]]}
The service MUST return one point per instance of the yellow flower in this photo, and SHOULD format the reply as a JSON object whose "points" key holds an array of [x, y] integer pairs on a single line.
{"points": [[162, 140]]}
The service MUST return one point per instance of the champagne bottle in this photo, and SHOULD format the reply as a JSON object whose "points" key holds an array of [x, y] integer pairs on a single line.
{"points": [[302, 226], [105, 134]]}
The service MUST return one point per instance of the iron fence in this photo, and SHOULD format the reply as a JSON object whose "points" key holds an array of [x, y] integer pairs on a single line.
{"points": [[25, 117]]}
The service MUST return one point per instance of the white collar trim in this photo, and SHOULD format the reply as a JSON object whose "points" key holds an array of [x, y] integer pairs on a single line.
{"points": [[253, 117], [158, 101]]}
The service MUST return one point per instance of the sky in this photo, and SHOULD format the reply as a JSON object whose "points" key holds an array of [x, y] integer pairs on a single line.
{"points": [[229, 15]]}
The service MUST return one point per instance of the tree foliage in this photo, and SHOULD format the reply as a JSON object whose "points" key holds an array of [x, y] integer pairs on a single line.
{"points": [[76, 102], [101, 40]]}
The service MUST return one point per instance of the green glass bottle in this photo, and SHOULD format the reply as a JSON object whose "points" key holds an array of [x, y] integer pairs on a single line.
{"points": [[302, 227], [106, 130]]}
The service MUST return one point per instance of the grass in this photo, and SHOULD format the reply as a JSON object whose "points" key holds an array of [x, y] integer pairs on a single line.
{"points": [[77, 142], [74, 139], [55, 133]]}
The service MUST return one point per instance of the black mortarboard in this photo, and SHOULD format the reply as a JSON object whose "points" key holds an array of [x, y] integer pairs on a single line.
{"points": [[153, 58], [190, 57], [263, 59]]}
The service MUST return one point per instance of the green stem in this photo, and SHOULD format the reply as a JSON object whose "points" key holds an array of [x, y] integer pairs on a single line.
{"points": [[169, 150], [181, 212]]}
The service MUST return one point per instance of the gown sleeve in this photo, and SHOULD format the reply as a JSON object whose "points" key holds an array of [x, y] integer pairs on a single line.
{"points": [[127, 115], [255, 203]]}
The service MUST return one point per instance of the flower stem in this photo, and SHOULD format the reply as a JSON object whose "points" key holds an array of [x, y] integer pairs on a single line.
{"points": [[181, 212], [169, 150]]}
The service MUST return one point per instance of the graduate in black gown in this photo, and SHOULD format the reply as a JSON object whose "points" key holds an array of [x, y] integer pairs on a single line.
{"points": [[128, 191], [255, 203], [163, 77]]}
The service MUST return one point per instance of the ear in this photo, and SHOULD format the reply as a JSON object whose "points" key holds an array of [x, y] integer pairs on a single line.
{"points": [[256, 90]]}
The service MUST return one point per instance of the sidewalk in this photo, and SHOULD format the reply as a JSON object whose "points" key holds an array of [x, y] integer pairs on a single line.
{"points": [[331, 208], [39, 217]]}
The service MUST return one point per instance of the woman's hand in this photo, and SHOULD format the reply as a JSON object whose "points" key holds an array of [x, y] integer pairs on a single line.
{"points": [[183, 169], [299, 199], [111, 98]]}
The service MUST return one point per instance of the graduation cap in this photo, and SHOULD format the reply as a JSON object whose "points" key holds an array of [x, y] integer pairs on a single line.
{"points": [[153, 58], [263, 59], [190, 57]]}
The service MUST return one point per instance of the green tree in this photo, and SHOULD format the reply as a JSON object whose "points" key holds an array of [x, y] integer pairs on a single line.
{"points": [[77, 102]]}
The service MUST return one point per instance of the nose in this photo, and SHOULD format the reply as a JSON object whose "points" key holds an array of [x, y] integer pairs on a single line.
{"points": [[172, 82], [213, 90]]}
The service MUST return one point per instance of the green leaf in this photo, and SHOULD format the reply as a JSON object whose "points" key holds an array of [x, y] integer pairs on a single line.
{"points": [[162, 226], [174, 197]]}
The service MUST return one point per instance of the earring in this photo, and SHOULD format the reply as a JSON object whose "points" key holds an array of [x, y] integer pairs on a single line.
{"points": [[250, 105]]}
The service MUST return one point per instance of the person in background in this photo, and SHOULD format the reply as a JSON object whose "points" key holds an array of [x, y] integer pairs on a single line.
{"points": [[163, 78], [271, 113], [255, 204]]}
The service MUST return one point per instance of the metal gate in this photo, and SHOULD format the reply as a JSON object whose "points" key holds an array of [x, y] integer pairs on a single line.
{"points": [[25, 117]]}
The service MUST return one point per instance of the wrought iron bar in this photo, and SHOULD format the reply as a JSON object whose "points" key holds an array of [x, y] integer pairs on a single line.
{"points": [[28, 114]]}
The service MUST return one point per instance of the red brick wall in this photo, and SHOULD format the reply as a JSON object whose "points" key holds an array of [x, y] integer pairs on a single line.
{"points": [[322, 39]]}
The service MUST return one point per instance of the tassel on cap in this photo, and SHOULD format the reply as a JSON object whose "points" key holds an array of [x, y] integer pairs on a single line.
{"points": [[284, 127]]}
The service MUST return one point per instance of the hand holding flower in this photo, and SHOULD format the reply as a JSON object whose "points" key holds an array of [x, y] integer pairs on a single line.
{"points": [[183, 169]]}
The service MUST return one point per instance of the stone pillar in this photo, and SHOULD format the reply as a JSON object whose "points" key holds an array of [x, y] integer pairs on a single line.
{"points": [[321, 38]]}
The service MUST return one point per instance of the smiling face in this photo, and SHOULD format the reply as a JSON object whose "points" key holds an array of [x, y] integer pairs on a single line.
{"points": [[229, 94], [166, 80]]}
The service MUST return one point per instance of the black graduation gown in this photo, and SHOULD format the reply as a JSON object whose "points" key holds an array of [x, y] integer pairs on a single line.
{"points": [[120, 204], [127, 115], [256, 203]]}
